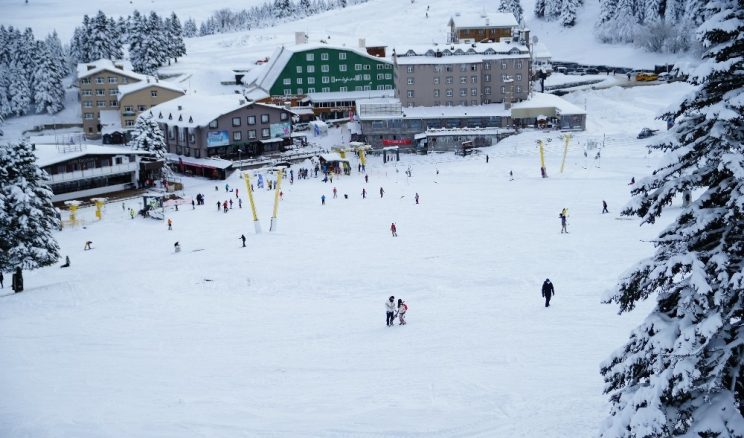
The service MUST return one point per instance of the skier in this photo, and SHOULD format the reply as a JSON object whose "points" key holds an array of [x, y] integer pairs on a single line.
{"points": [[88, 245], [334, 193], [364, 193], [170, 224], [563, 215], [390, 310], [604, 207], [224, 207], [486, 158], [227, 187], [16, 281], [322, 199], [511, 176], [240, 202], [177, 247], [547, 291], [632, 181], [131, 213], [193, 204], [402, 309], [236, 193], [218, 205], [366, 178], [67, 263], [394, 229], [231, 203], [417, 198], [382, 192], [242, 237]]}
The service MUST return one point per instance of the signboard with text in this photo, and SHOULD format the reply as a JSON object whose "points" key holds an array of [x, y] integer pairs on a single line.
{"points": [[280, 130], [398, 142], [217, 138]]}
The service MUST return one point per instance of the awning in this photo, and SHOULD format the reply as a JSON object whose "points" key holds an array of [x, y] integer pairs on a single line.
{"points": [[272, 140]]}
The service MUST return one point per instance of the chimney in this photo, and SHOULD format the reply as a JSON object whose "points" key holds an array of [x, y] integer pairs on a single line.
{"points": [[241, 101], [180, 108], [362, 43], [300, 38]]}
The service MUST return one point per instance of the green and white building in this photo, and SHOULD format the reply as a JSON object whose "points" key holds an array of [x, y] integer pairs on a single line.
{"points": [[305, 69]]}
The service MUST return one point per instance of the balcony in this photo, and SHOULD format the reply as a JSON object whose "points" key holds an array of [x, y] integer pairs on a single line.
{"points": [[92, 173]]}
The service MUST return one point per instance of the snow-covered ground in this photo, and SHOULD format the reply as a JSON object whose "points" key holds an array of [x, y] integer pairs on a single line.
{"points": [[286, 337]]}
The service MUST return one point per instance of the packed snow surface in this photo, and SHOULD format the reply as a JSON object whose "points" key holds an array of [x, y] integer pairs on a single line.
{"points": [[286, 336]]}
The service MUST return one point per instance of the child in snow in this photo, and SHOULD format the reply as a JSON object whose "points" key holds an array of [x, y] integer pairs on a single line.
{"points": [[402, 309]]}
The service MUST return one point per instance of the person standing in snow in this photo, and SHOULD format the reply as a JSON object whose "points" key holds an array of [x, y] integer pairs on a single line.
{"points": [[417, 198], [364, 193], [511, 176], [242, 237], [88, 245], [486, 158], [563, 215], [382, 192], [322, 199], [394, 229], [218, 205], [177, 247], [604, 207], [334, 193], [170, 224], [193, 204], [1, 280], [390, 310], [547, 291], [366, 178], [402, 309]]}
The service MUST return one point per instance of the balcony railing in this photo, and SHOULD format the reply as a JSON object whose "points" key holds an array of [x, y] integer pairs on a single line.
{"points": [[92, 173]]}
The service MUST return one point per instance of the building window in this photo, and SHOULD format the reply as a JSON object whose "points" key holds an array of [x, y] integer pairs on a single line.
{"points": [[311, 90], [141, 108], [341, 55], [324, 56], [342, 67], [129, 123], [264, 118], [283, 116], [100, 92], [449, 103], [358, 67], [410, 81], [87, 104], [343, 89], [366, 77], [519, 89], [287, 91], [503, 90], [87, 92], [487, 91], [237, 135], [474, 79], [325, 79], [519, 64], [463, 92], [436, 81], [409, 69], [100, 103], [192, 138], [310, 80], [299, 69], [358, 88], [251, 120], [487, 65], [463, 79], [324, 68], [388, 76], [436, 93], [380, 76], [449, 92], [265, 133], [88, 116], [85, 81], [310, 69], [310, 57], [112, 80], [113, 92], [299, 81], [473, 67], [367, 67], [474, 102], [488, 78], [252, 134], [99, 80], [213, 124], [473, 91], [450, 79], [410, 93], [504, 78], [438, 68], [519, 77], [325, 90], [236, 121], [503, 65], [114, 103], [128, 109], [448, 67], [287, 81]]}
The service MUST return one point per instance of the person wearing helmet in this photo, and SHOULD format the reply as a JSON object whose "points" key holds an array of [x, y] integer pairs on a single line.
{"points": [[390, 310], [547, 291]]}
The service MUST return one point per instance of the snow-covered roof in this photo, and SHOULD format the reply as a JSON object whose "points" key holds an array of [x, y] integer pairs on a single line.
{"points": [[302, 110], [349, 95], [484, 19], [461, 131], [462, 59], [255, 94], [459, 49], [433, 112], [332, 157], [211, 163], [86, 69], [195, 110], [540, 51], [49, 154], [110, 121], [544, 100], [282, 55], [148, 82]]}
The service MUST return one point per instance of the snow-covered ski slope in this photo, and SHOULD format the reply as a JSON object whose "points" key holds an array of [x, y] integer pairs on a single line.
{"points": [[390, 22], [287, 338]]}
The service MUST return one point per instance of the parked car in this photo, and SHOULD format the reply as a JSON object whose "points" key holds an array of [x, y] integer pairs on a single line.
{"points": [[592, 71], [561, 70], [301, 126], [663, 77], [647, 132], [646, 77], [559, 92]]}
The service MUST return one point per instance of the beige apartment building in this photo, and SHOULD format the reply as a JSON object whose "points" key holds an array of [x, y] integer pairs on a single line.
{"points": [[111, 96], [474, 27], [462, 74]]}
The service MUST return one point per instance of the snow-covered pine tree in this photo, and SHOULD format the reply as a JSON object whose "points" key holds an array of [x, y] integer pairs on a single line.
{"points": [[652, 12], [189, 28], [20, 90], [304, 7], [5, 107], [512, 6], [49, 93], [103, 40], [136, 33], [56, 52], [177, 46], [147, 135], [540, 8], [681, 372], [148, 50], [553, 9], [27, 215], [568, 12]]}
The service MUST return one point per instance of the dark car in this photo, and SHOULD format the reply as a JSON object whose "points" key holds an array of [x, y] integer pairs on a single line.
{"points": [[592, 71], [647, 132]]}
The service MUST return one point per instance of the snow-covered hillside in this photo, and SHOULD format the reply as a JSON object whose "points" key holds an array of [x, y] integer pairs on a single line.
{"points": [[286, 337]]}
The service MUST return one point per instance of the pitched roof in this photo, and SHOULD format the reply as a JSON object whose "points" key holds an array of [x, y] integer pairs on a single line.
{"points": [[86, 69], [49, 154], [281, 56], [192, 110], [545, 100], [485, 19], [148, 82]]}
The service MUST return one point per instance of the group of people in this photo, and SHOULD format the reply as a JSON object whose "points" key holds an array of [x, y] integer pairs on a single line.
{"points": [[394, 311]]}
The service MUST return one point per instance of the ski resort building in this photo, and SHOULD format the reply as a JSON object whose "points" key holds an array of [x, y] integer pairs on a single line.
{"points": [[305, 69], [226, 126], [548, 111], [462, 74], [80, 171], [102, 86], [476, 27]]}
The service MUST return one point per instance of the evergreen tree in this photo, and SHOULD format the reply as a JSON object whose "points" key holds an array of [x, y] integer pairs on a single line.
{"points": [[103, 39], [513, 7], [56, 52], [176, 45], [49, 93], [304, 7], [681, 372], [147, 135], [568, 12], [5, 106], [27, 216], [20, 90], [136, 33], [540, 8], [189, 28]]}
